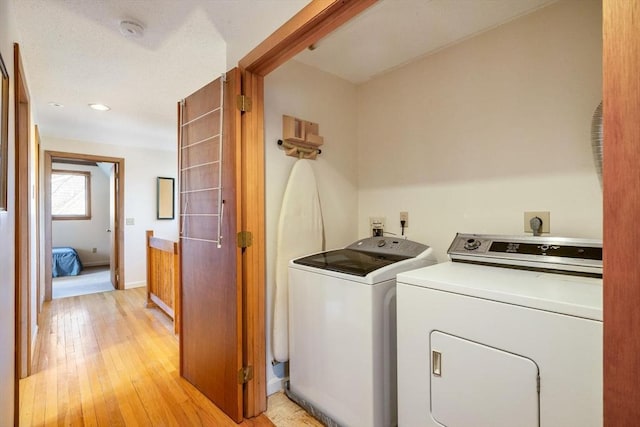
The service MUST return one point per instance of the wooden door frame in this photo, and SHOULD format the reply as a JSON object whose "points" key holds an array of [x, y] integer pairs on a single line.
{"points": [[621, 194], [113, 204], [316, 20], [253, 257], [38, 216], [22, 238], [119, 232]]}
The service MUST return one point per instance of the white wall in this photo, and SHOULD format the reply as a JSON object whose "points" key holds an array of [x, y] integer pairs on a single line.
{"points": [[141, 169], [298, 90], [469, 138], [8, 35], [83, 235]]}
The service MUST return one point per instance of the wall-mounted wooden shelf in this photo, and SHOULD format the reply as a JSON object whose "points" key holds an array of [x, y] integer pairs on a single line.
{"points": [[301, 137]]}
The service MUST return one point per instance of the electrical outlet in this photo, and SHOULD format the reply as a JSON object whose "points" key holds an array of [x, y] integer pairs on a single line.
{"points": [[544, 216], [404, 216], [376, 225]]}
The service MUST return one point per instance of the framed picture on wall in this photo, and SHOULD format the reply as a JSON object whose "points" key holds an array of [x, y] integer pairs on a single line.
{"points": [[4, 134]]}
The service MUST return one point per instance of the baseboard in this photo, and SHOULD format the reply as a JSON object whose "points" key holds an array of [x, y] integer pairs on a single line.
{"points": [[131, 285], [34, 336], [275, 385], [95, 263]]}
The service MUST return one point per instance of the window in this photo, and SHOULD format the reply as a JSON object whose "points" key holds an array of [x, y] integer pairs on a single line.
{"points": [[70, 195]]}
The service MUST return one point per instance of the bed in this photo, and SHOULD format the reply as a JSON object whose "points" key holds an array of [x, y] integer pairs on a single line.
{"points": [[66, 262]]}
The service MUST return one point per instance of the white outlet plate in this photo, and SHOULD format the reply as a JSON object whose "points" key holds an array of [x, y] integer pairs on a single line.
{"points": [[404, 216], [544, 216]]}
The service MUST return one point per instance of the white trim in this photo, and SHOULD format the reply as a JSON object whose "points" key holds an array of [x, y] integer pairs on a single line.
{"points": [[33, 342], [275, 385], [104, 263], [131, 285]]}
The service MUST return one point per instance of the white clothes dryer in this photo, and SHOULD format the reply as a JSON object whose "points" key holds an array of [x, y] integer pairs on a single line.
{"points": [[507, 334], [342, 328]]}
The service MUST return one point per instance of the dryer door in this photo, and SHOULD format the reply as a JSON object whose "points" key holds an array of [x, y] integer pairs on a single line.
{"points": [[477, 385]]}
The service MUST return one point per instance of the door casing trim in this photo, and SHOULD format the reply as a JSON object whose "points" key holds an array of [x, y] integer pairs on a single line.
{"points": [[314, 21]]}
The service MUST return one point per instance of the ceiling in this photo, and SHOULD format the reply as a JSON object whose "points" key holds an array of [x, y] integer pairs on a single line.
{"points": [[74, 53], [393, 33]]}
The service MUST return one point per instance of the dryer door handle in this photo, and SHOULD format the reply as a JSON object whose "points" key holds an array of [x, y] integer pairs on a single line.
{"points": [[436, 363]]}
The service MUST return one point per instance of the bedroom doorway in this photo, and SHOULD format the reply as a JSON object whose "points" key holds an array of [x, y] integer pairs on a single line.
{"points": [[83, 232]]}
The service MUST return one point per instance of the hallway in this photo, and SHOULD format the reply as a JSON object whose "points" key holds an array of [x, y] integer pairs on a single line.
{"points": [[105, 360]]}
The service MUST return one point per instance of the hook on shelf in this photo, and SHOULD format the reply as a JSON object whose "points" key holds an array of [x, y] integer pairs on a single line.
{"points": [[299, 151], [300, 138]]}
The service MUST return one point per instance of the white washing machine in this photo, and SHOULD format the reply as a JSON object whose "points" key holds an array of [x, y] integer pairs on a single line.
{"points": [[342, 340], [507, 334]]}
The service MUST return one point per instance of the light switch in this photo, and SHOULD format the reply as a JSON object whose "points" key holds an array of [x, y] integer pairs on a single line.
{"points": [[130, 221]]}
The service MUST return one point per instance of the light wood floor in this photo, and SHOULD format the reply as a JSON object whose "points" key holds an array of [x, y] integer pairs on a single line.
{"points": [[105, 360], [285, 413]]}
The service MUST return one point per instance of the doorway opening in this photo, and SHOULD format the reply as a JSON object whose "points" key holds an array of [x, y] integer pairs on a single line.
{"points": [[81, 209], [84, 214]]}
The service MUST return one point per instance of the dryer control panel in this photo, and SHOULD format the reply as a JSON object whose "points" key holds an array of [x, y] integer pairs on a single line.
{"points": [[560, 254]]}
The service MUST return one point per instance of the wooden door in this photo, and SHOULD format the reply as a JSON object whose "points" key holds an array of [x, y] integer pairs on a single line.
{"points": [[211, 300]]}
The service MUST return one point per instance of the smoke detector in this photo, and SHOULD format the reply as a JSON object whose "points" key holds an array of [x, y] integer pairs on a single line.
{"points": [[132, 29]]}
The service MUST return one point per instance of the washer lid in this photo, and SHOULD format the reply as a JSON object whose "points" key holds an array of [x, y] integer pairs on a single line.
{"points": [[349, 261], [366, 255]]}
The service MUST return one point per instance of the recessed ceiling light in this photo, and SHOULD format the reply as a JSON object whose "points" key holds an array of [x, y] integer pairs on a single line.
{"points": [[55, 104], [100, 107]]}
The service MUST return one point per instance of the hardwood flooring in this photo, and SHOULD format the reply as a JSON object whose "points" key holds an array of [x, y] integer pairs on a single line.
{"points": [[285, 413], [105, 360]]}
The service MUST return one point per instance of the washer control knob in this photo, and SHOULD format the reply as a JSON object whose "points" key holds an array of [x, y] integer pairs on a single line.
{"points": [[381, 243], [472, 244]]}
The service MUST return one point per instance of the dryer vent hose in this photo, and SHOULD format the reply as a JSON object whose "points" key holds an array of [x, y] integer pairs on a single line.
{"points": [[596, 140]]}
